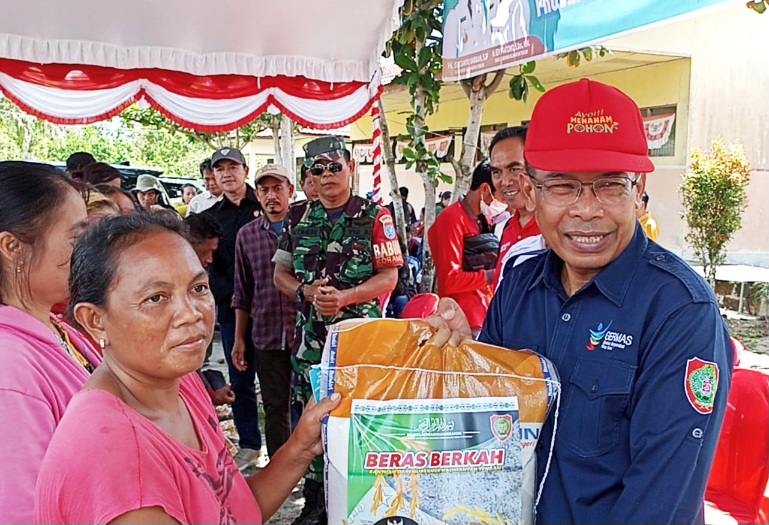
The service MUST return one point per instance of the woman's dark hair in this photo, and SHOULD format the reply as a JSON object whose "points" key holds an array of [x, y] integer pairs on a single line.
{"points": [[100, 173], [94, 259], [110, 191], [30, 194], [189, 185], [79, 160]]}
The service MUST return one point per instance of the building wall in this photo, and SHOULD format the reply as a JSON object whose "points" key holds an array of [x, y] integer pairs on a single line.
{"points": [[720, 86]]}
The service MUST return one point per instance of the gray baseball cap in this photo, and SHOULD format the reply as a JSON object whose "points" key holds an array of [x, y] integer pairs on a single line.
{"points": [[232, 154]]}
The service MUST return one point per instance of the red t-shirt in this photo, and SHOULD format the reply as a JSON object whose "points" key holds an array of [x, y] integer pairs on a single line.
{"points": [[106, 459], [512, 234], [447, 240]]}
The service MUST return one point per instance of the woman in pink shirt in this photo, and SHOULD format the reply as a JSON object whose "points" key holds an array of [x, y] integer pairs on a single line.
{"points": [[155, 452], [43, 362]]}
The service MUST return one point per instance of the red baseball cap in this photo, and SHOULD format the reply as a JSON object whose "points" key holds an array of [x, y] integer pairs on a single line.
{"points": [[587, 126]]}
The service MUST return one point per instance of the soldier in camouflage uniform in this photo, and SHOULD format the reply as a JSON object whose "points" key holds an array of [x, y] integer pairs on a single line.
{"points": [[337, 256]]}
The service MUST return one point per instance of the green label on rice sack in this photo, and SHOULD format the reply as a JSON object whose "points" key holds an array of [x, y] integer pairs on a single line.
{"points": [[435, 461]]}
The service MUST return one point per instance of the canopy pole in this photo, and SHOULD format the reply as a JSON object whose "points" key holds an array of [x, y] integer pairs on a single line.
{"points": [[377, 154]]}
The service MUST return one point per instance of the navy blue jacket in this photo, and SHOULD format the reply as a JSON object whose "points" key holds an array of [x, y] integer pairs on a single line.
{"points": [[638, 349]]}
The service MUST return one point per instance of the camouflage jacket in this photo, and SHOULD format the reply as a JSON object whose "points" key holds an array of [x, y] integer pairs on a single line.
{"points": [[343, 251]]}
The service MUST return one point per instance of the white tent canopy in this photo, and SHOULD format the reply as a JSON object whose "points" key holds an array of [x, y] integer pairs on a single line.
{"points": [[317, 61]]}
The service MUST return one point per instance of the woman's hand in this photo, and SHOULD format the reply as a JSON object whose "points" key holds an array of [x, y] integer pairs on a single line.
{"points": [[272, 485], [306, 436], [451, 323]]}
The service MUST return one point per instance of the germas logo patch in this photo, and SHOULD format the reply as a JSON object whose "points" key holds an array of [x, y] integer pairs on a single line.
{"points": [[608, 340], [597, 335]]}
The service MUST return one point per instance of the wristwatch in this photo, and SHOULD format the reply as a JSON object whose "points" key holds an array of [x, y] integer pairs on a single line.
{"points": [[300, 293]]}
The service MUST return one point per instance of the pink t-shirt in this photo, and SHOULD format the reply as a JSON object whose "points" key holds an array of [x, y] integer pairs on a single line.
{"points": [[37, 380], [106, 459]]}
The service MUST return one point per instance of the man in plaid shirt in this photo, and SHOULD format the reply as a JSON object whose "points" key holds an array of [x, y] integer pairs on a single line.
{"points": [[261, 309]]}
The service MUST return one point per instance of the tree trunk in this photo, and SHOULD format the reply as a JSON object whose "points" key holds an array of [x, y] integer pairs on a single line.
{"points": [[275, 129], [389, 162], [287, 147], [477, 91], [469, 145], [428, 268]]}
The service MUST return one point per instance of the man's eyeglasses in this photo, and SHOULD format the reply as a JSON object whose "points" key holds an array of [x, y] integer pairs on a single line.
{"points": [[317, 170], [610, 191]]}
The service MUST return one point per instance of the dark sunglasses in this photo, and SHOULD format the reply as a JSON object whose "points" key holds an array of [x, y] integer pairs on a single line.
{"points": [[333, 167]]}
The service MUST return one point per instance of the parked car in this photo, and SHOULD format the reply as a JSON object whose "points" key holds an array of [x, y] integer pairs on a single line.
{"points": [[174, 185], [129, 174]]}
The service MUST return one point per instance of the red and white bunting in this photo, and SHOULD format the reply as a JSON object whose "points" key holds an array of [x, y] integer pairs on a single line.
{"points": [[68, 94], [658, 129], [363, 153], [485, 141], [439, 146]]}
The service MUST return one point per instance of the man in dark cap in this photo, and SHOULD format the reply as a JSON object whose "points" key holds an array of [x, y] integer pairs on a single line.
{"points": [[237, 207], [337, 256]]}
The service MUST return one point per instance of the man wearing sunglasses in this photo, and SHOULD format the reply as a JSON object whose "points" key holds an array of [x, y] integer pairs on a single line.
{"points": [[636, 335], [336, 256]]}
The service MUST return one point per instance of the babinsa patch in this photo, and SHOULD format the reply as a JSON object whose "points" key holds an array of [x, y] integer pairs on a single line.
{"points": [[387, 222], [701, 384]]}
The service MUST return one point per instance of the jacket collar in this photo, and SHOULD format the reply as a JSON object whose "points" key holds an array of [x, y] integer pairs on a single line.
{"points": [[613, 281]]}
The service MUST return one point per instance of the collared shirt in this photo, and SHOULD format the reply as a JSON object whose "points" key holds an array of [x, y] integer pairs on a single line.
{"points": [[273, 314], [447, 241], [203, 201], [645, 365], [222, 272], [513, 233]]}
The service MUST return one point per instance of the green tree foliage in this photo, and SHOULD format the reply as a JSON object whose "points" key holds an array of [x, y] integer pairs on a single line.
{"points": [[714, 197], [26, 137], [153, 119], [416, 48], [576, 56]]}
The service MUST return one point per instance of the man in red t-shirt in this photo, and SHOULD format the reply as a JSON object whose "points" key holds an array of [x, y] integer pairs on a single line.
{"points": [[508, 173], [468, 217]]}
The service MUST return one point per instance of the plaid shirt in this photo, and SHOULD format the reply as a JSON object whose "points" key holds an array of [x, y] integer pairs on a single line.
{"points": [[254, 289]]}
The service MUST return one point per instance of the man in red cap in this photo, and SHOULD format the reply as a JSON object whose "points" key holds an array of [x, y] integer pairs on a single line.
{"points": [[636, 335]]}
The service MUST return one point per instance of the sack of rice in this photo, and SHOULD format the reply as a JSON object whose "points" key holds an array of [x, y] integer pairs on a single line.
{"points": [[427, 435]]}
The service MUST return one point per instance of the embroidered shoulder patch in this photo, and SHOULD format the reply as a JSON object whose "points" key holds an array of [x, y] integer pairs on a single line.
{"points": [[701, 384], [387, 222]]}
